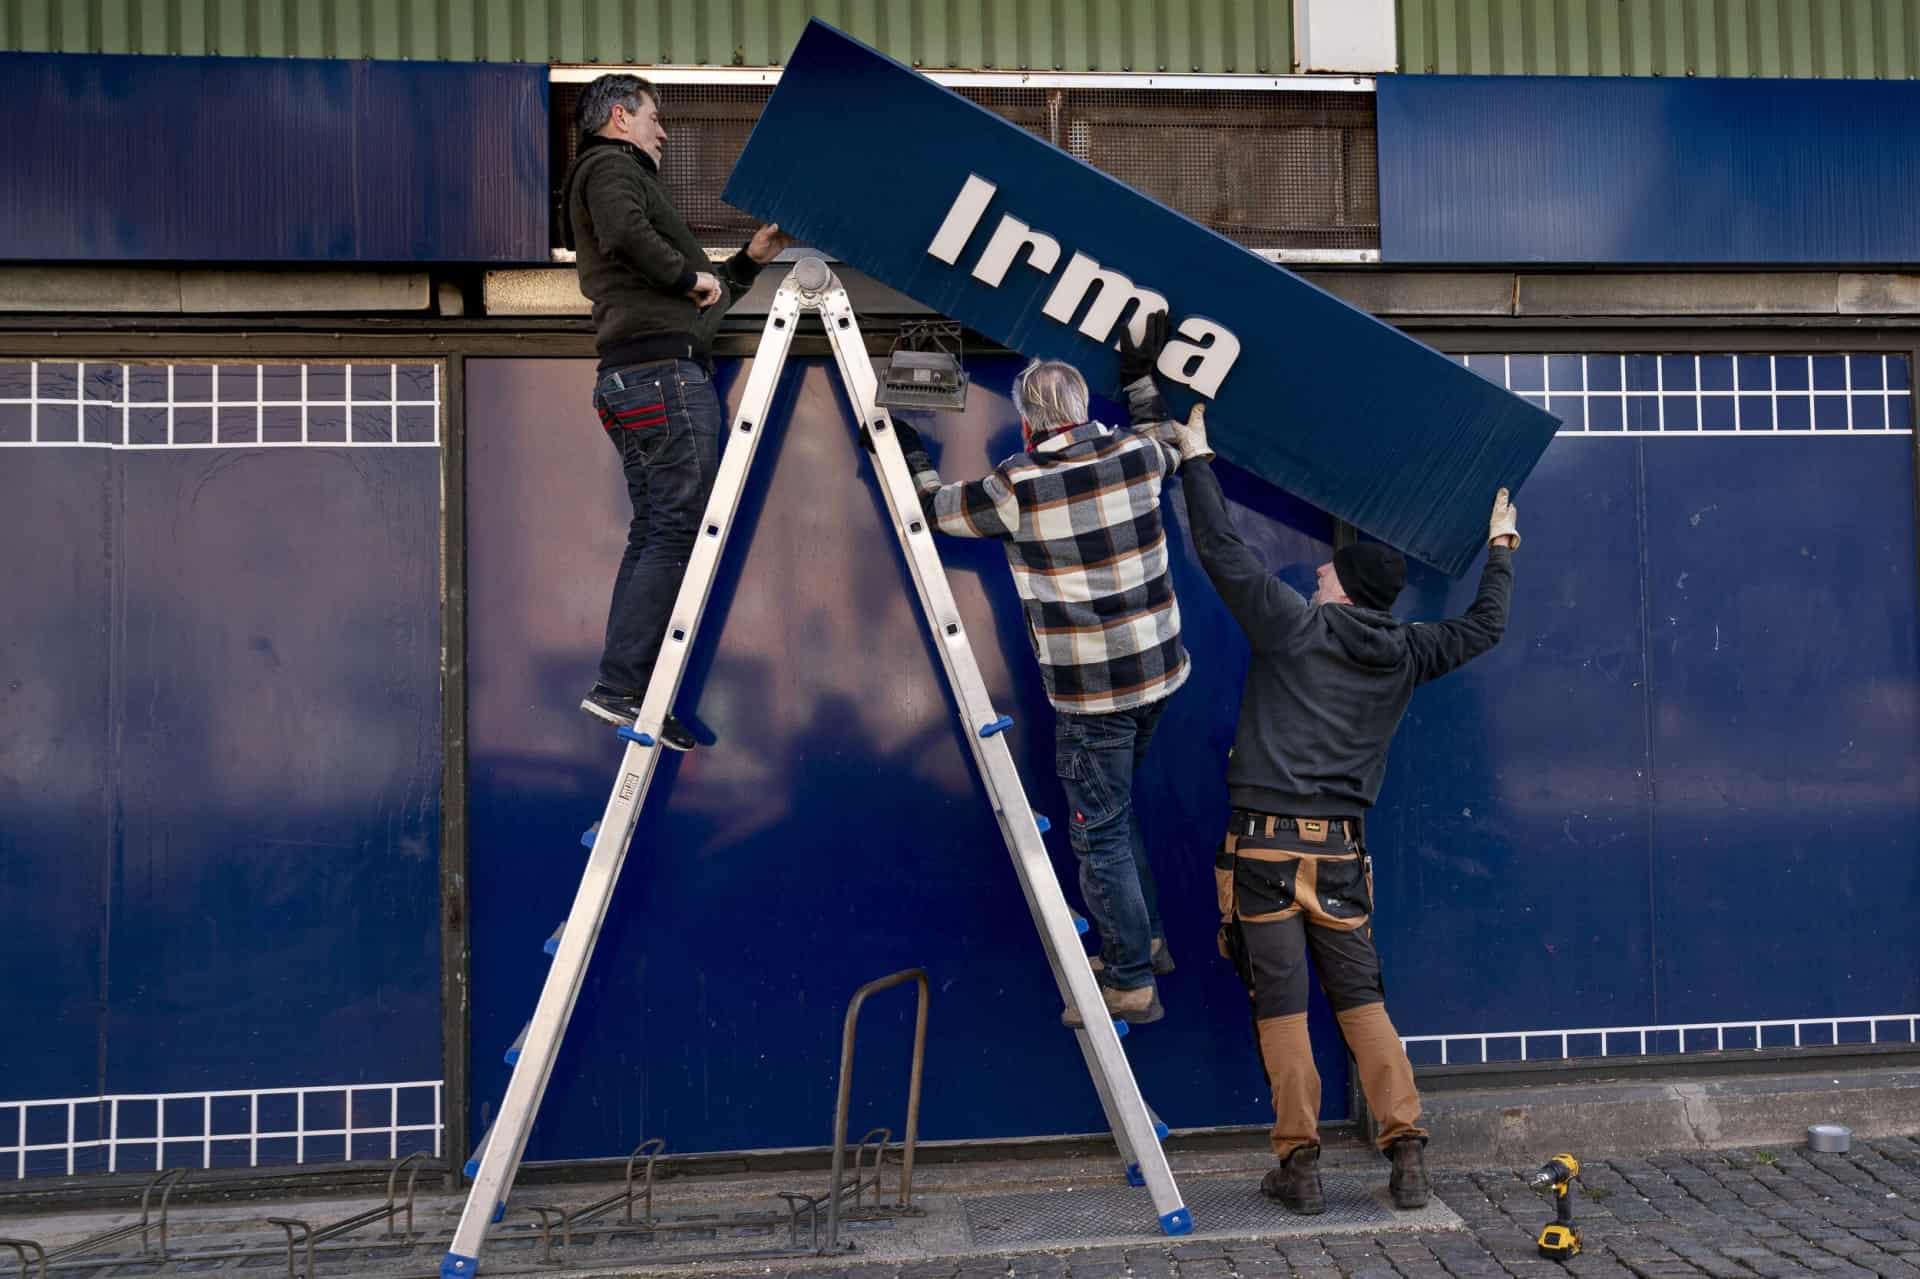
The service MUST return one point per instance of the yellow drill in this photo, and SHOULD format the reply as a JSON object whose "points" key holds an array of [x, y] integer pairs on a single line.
{"points": [[1558, 1238]]}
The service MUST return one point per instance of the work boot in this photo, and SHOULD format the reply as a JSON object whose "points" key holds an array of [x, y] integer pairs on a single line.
{"points": [[1408, 1185], [1162, 961], [1296, 1182], [622, 709], [1135, 1007]]}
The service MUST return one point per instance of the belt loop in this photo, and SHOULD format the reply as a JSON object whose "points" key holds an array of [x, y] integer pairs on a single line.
{"points": [[1269, 825]]}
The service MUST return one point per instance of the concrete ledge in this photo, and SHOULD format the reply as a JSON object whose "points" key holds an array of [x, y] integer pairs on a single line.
{"points": [[1742, 293], [272, 292], [1420, 292], [72, 290], [1504, 1125], [1862, 294], [550, 290], [85, 290]]}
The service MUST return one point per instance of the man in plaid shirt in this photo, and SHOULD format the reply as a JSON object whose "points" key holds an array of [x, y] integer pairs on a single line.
{"points": [[1079, 512]]}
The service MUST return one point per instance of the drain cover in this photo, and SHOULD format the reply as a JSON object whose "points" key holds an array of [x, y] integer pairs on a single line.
{"points": [[1221, 1205]]}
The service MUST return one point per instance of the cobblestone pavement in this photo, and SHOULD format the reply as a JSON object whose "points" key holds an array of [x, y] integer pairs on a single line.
{"points": [[1724, 1214]]}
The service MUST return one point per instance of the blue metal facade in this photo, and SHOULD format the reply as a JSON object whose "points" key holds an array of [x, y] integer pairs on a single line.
{"points": [[1616, 819], [281, 160], [219, 790], [1323, 400], [1518, 169]]}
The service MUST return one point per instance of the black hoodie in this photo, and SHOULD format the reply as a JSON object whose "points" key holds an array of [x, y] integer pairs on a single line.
{"points": [[1327, 684]]}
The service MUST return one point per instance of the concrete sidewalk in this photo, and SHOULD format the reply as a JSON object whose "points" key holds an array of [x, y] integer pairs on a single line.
{"points": [[1764, 1209]]}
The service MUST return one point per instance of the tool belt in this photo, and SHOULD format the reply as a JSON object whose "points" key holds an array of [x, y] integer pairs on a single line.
{"points": [[1253, 824]]}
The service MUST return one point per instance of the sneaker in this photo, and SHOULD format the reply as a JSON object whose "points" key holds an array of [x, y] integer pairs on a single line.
{"points": [[1408, 1184], [1296, 1182], [1135, 1007], [618, 708], [1162, 961]]}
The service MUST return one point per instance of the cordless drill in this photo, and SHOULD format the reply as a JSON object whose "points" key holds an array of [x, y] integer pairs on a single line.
{"points": [[1558, 1238]]}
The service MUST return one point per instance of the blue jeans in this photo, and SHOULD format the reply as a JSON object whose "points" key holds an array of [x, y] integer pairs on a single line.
{"points": [[663, 419], [1096, 757]]}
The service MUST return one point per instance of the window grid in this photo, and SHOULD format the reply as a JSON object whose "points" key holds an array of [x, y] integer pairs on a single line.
{"points": [[357, 1139], [1667, 393], [237, 411], [1479, 1048]]}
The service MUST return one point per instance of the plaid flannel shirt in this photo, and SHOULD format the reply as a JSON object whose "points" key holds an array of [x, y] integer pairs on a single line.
{"points": [[1079, 512]]}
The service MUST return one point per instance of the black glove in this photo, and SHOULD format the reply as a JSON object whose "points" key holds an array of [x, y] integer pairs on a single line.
{"points": [[1137, 361], [909, 440]]}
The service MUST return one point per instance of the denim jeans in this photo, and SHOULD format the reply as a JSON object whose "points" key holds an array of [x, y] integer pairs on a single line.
{"points": [[663, 419], [1096, 757]]}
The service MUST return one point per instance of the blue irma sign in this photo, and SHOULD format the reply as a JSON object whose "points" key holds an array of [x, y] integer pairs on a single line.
{"points": [[973, 216]]}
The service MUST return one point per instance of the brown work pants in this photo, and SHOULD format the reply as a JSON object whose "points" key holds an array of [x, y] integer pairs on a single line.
{"points": [[1289, 886]]}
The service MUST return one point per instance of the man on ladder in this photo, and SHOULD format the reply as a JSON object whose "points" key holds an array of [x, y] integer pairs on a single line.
{"points": [[1079, 512], [656, 305]]}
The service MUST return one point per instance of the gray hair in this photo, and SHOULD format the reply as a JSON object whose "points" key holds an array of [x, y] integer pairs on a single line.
{"points": [[598, 99], [1050, 394]]}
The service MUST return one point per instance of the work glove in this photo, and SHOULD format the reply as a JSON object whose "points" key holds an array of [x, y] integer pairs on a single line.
{"points": [[1138, 360], [919, 465], [1505, 521], [1190, 437]]}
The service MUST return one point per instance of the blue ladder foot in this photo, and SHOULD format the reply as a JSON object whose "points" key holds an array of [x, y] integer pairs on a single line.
{"points": [[455, 1266], [634, 735], [1134, 1176], [1000, 725], [1177, 1222]]}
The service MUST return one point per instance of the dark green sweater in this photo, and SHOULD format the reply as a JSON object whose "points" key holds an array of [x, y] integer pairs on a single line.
{"points": [[1326, 686], [637, 259]]}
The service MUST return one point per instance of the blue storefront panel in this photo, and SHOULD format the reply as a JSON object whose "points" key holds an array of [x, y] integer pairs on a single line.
{"points": [[1533, 876], [222, 782]]}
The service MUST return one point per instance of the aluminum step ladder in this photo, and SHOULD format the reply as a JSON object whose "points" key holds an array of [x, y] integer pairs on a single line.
{"points": [[811, 287]]}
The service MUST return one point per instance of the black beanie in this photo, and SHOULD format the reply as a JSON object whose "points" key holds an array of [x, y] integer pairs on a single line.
{"points": [[1371, 574]]}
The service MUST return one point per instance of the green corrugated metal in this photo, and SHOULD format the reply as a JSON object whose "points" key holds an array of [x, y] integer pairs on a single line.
{"points": [[1822, 39], [1247, 36]]}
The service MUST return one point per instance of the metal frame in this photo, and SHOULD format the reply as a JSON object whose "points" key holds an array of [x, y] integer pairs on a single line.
{"points": [[577, 74]]}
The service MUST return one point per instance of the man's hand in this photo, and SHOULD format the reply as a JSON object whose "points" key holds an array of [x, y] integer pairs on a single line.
{"points": [[768, 243], [1191, 436], [706, 289], [1503, 528], [1138, 359]]}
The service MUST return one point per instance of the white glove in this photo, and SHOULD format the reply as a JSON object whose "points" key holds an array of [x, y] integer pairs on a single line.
{"points": [[1505, 521], [1190, 437]]}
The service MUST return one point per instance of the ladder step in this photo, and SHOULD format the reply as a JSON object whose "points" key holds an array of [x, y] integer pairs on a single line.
{"points": [[552, 946], [1000, 725], [513, 1053], [634, 735], [592, 833], [479, 1152]]}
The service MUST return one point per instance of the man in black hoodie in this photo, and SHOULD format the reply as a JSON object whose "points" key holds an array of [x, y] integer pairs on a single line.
{"points": [[657, 303], [1327, 682]]}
